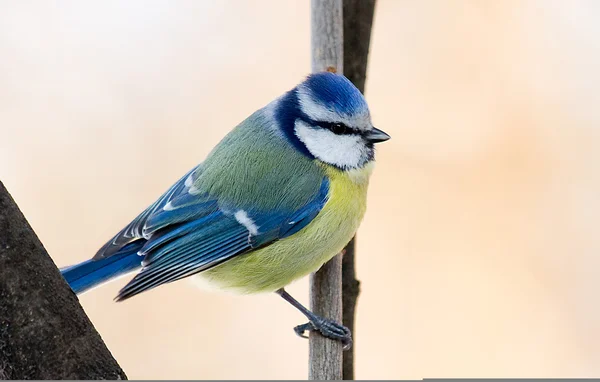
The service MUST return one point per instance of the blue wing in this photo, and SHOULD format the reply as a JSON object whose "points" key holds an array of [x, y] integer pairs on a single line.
{"points": [[188, 232], [134, 230]]}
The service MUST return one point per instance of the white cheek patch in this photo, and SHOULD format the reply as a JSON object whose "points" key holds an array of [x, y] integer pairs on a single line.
{"points": [[345, 151]]}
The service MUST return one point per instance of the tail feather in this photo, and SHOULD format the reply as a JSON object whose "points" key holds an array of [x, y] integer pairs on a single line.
{"points": [[91, 273]]}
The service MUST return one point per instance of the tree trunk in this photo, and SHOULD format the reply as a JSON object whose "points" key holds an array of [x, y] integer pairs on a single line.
{"points": [[325, 355], [44, 332], [358, 22]]}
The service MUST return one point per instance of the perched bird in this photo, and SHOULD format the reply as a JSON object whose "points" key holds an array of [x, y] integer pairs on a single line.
{"points": [[278, 197]]}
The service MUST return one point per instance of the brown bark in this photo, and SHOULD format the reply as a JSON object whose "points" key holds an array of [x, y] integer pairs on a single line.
{"points": [[358, 22], [325, 355], [44, 332]]}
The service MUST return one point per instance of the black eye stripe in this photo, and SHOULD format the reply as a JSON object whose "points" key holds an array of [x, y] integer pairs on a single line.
{"points": [[338, 128]]}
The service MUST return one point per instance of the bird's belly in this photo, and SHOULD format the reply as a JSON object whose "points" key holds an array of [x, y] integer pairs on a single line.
{"points": [[273, 267]]}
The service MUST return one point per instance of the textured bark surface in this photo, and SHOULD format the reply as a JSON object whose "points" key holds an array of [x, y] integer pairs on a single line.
{"points": [[325, 355], [350, 291], [327, 35], [358, 22], [44, 332]]}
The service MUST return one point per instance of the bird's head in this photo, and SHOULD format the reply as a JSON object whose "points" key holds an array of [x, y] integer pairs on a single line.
{"points": [[327, 118]]}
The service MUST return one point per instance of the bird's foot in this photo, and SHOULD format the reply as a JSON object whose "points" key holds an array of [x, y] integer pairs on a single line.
{"points": [[327, 328]]}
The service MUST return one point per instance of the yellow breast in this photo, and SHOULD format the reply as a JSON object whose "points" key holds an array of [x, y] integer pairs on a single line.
{"points": [[286, 260]]}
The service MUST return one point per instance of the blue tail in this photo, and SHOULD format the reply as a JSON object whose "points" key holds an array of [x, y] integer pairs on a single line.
{"points": [[91, 273]]}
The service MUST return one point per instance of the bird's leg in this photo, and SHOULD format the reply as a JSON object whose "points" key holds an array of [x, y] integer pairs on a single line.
{"points": [[327, 328]]}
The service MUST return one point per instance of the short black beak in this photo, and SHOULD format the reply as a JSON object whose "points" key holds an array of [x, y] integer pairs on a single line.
{"points": [[375, 136]]}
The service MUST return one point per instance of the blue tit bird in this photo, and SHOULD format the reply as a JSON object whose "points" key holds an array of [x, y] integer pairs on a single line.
{"points": [[278, 197]]}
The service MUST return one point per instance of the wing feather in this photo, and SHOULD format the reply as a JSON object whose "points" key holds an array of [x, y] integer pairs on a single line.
{"points": [[135, 230], [190, 232], [211, 244]]}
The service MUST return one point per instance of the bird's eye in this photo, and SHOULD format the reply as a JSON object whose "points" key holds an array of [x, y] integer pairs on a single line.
{"points": [[338, 128]]}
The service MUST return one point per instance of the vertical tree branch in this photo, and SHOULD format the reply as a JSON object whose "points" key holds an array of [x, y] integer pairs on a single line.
{"points": [[44, 332], [350, 291], [358, 22], [325, 355], [327, 38]]}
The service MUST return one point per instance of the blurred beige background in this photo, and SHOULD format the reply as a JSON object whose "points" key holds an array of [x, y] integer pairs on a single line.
{"points": [[479, 255]]}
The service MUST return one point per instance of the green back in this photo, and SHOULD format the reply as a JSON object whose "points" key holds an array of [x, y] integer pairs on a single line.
{"points": [[255, 167]]}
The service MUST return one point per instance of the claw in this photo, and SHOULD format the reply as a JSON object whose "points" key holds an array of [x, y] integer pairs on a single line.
{"points": [[347, 345], [300, 329], [327, 328]]}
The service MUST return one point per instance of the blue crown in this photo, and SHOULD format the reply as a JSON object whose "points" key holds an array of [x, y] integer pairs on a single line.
{"points": [[336, 92]]}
